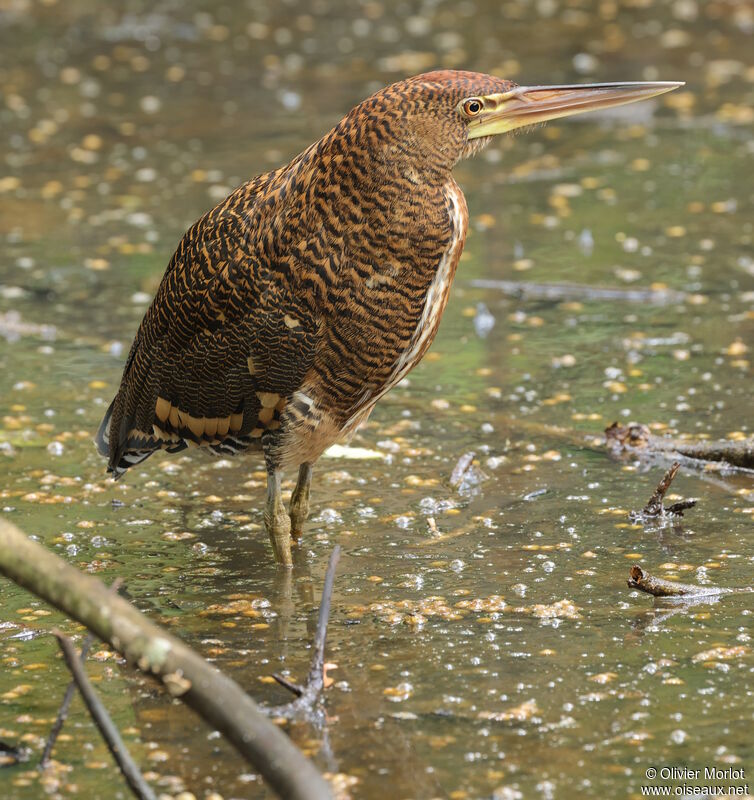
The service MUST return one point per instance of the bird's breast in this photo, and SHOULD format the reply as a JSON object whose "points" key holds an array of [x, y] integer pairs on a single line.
{"points": [[389, 311], [439, 290], [433, 304]]}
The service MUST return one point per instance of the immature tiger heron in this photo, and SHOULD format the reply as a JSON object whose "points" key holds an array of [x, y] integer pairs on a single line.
{"points": [[294, 305]]}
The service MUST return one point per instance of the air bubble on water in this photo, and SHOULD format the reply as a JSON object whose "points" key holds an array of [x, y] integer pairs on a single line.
{"points": [[55, 448], [484, 321], [291, 101], [329, 516]]}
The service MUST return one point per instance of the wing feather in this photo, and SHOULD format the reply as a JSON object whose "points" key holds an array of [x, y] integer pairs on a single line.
{"points": [[227, 322]]}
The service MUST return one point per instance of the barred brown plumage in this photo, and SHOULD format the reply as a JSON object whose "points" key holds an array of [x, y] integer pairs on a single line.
{"points": [[290, 308]]}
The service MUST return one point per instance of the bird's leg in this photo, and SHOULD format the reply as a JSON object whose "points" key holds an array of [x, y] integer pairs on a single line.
{"points": [[300, 501], [276, 521]]}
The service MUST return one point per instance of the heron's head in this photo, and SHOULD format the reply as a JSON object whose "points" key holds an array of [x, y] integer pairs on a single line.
{"points": [[437, 118]]}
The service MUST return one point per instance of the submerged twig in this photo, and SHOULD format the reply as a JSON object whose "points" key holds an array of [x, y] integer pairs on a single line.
{"points": [[547, 431], [659, 587], [581, 292], [655, 507], [110, 734], [306, 695], [295, 688], [637, 439]]}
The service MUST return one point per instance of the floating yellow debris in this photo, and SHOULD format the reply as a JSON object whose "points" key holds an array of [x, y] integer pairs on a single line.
{"points": [[736, 348], [484, 221], [560, 397], [604, 677], [561, 609], [520, 713], [398, 693], [722, 653], [244, 608], [16, 692]]}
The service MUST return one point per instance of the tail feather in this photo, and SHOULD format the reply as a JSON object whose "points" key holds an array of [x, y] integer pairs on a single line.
{"points": [[128, 448], [117, 460], [128, 460], [102, 439]]}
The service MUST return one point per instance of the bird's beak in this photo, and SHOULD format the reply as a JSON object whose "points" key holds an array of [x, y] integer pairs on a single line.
{"points": [[527, 105]]}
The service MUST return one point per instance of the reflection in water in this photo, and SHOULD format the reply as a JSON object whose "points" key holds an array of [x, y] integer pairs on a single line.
{"points": [[650, 621], [123, 124]]}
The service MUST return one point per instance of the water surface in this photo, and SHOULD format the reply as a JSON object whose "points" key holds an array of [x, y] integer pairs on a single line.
{"points": [[485, 640]]}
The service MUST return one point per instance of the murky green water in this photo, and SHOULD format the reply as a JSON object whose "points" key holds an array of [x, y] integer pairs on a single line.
{"points": [[121, 126]]}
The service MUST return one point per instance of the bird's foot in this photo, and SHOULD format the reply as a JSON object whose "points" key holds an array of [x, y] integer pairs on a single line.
{"points": [[298, 515], [277, 522], [297, 527], [278, 525], [300, 502]]}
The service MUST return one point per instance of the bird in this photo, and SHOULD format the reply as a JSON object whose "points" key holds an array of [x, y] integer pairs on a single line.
{"points": [[293, 306]]}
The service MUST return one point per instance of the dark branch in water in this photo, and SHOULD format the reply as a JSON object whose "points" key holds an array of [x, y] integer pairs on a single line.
{"points": [[638, 579], [215, 697], [636, 439], [295, 688], [131, 772], [57, 726], [575, 291], [655, 508], [307, 695]]}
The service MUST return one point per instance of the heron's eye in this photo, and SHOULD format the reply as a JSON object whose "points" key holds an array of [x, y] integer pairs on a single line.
{"points": [[472, 107]]}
